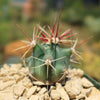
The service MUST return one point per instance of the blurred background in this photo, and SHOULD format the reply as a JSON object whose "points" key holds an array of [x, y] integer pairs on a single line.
{"points": [[82, 16]]}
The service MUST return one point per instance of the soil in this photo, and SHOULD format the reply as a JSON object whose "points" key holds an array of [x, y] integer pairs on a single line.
{"points": [[16, 84]]}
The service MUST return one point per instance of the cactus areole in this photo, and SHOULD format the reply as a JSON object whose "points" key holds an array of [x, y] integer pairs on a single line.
{"points": [[49, 62]]}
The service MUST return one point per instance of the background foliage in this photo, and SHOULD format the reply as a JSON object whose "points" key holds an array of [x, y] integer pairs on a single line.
{"points": [[83, 16]]}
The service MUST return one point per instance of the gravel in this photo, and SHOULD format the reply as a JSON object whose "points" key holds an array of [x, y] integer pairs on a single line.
{"points": [[15, 84]]}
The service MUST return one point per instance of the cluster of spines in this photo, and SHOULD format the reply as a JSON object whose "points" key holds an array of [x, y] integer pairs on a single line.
{"points": [[48, 38]]}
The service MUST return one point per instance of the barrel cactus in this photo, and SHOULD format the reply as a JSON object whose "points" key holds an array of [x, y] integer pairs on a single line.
{"points": [[49, 61]]}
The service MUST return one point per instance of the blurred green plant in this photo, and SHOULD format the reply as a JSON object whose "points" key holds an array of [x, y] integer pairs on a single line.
{"points": [[4, 29], [93, 24], [74, 12], [3, 2], [91, 64], [72, 16]]}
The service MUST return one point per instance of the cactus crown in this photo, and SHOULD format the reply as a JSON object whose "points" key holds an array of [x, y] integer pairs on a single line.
{"points": [[48, 61]]}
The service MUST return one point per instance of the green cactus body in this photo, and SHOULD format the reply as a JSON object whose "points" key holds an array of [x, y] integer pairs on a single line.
{"points": [[57, 58]]}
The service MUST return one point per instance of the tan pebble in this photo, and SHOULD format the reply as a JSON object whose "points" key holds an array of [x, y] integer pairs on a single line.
{"points": [[18, 89], [1, 78], [3, 72], [18, 78], [34, 97], [41, 97], [38, 83], [6, 67], [80, 72], [72, 72], [75, 72], [21, 74], [13, 70], [11, 73], [84, 93], [22, 98], [38, 89], [10, 77], [42, 91], [86, 83], [94, 92], [8, 89], [4, 85], [25, 92], [46, 96], [16, 66], [95, 97], [31, 91], [16, 97], [80, 96], [55, 95], [25, 70], [52, 88], [62, 92], [7, 96], [5, 79], [27, 82], [73, 87], [20, 83]]}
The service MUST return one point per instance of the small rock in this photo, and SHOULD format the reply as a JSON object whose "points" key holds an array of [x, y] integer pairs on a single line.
{"points": [[21, 74], [94, 92], [25, 92], [52, 88], [38, 83], [80, 96], [31, 91], [73, 87], [80, 72], [95, 97], [3, 72], [18, 78], [8, 89], [19, 89], [38, 89], [12, 73], [5, 79], [13, 69], [7, 96], [10, 77], [22, 98], [4, 85], [42, 91], [62, 92], [25, 70], [6, 67], [16, 66], [55, 95], [86, 83], [75, 72], [46, 96], [27, 82], [34, 97], [41, 97], [16, 97], [84, 93]]}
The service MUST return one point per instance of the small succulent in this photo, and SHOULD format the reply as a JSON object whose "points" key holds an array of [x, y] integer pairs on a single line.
{"points": [[49, 62]]}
